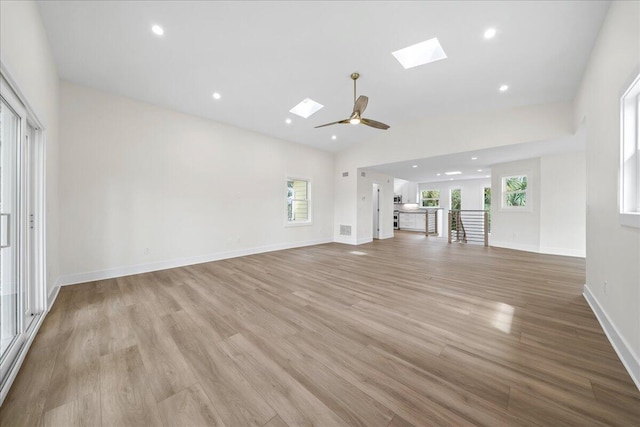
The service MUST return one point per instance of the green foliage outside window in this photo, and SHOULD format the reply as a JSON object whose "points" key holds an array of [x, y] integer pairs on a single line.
{"points": [[456, 199], [487, 198], [515, 189], [431, 198], [456, 202], [487, 206]]}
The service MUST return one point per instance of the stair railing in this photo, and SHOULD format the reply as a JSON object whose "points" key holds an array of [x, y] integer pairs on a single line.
{"points": [[468, 226]]}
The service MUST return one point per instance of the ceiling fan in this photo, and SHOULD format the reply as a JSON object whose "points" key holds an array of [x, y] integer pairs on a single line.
{"points": [[359, 106]]}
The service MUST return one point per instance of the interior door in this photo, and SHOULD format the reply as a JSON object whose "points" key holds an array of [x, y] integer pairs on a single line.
{"points": [[376, 211]]}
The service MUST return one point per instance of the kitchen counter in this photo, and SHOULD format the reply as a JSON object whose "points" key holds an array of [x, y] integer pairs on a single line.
{"points": [[417, 219], [413, 220], [419, 211]]}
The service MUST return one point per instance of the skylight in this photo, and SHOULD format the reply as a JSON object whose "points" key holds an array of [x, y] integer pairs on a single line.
{"points": [[306, 108], [490, 33], [157, 30], [420, 53]]}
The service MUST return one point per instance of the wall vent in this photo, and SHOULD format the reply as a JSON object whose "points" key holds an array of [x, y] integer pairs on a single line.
{"points": [[345, 230], [363, 174], [345, 174]]}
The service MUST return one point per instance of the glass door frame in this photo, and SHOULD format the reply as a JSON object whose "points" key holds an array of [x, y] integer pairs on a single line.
{"points": [[31, 255]]}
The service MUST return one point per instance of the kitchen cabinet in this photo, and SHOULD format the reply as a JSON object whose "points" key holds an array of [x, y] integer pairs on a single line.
{"points": [[412, 221], [420, 222], [412, 192], [407, 221], [409, 192]]}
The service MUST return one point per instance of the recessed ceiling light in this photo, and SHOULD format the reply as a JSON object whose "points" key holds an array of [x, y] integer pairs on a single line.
{"points": [[216, 95], [334, 137], [474, 158], [450, 179], [306, 108], [479, 170], [488, 176], [504, 88], [157, 30], [414, 166], [438, 174], [490, 33], [453, 173], [288, 121], [420, 53]]}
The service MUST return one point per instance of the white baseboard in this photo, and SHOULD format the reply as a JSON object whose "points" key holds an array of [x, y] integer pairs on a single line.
{"points": [[579, 253], [51, 298], [347, 240], [630, 360], [365, 240], [539, 249], [91, 276], [386, 236], [514, 245]]}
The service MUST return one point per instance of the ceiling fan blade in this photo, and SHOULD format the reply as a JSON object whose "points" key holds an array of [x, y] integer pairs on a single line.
{"points": [[374, 124], [360, 105], [333, 123]]}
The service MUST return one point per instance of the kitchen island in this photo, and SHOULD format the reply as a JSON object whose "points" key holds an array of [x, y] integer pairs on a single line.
{"points": [[416, 220], [412, 220]]}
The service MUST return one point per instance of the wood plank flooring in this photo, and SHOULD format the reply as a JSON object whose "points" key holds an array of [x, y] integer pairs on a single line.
{"points": [[409, 331]]}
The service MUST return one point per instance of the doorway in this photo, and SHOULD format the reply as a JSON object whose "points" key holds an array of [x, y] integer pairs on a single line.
{"points": [[375, 197]]}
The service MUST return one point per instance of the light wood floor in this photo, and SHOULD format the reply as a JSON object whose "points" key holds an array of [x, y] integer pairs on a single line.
{"points": [[411, 331]]}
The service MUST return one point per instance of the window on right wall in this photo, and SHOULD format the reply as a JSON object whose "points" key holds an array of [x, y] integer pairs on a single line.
{"points": [[630, 155], [514, 192]]}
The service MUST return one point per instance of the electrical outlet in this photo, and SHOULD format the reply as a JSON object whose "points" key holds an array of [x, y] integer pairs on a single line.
{"points": [[604, 287], [146, 251]]}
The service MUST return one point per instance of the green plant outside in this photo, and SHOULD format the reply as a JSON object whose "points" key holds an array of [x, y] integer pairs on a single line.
{"points": [[487, 206], [431, 198], [516, 191], [456, 203], [456, 199]]}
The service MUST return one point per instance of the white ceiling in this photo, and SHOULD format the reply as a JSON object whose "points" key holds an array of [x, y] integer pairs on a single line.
{"points": [[427, 170], [265, 57]]}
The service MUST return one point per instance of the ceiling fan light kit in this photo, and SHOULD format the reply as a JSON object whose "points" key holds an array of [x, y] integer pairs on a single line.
{"points": [[359, 105]]}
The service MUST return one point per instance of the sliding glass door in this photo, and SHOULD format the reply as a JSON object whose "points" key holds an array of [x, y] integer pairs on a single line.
{"points": [[21, 284], [10, 132]]}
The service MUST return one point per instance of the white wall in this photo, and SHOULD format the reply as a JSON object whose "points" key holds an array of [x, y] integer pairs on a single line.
{"points": [[434, 136], [25, 54], [563, 193], [554, 221], [135, 177], [613, 250], [365, 206], [516, 229], [345, 199]]}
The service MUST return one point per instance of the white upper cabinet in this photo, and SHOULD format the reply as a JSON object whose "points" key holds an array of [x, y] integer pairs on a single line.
{"points": [[407, 189]]}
